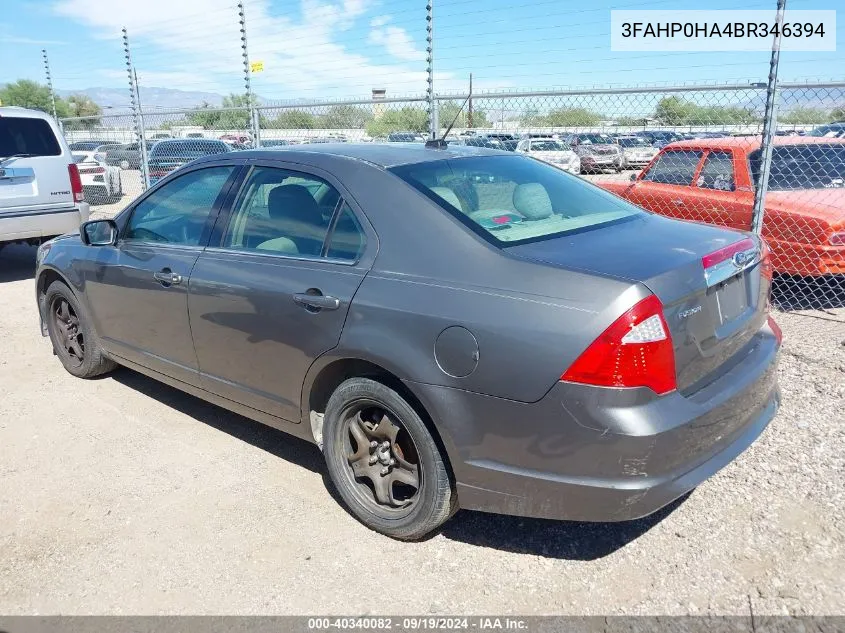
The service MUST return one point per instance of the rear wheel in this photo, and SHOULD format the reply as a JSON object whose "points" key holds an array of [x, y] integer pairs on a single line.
{"points": [[124, 164], [70, 332], [384, 461]]}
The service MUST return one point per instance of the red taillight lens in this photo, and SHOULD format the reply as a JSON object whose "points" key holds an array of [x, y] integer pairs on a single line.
{"points": [[717, 257], [776, 329], [837, 239], [766, 269], [635, 351], [75, 183]]}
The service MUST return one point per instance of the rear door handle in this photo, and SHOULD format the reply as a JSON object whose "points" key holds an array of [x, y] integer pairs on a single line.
{"points": [[317, 302], [167, 277]]}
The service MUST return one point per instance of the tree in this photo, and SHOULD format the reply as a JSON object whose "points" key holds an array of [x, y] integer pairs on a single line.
{"points": [[805, 115], [449, 110], [562, 117], [838, 114], [406, 119], [344, 117], [210, 117], [293, 120], [30, 94], [677, 111]]}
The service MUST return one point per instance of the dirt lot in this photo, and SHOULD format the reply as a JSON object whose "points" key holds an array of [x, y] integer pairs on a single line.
{"points": [[121, 495]]}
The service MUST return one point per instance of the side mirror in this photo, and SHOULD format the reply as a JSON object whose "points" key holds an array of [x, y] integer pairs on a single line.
{"points": [[98, 233], [633, 177]]}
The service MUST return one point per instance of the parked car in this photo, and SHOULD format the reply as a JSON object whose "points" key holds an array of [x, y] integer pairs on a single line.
{"points": [[101, 150], [596, 151], [831, 130], [40, 188], [171, 154], [483, 141], [713, 180], [243, 139], [405, 137], [636, 150], [274, 142], [564, 355], [551, 151], [84, 146], [127, 156], [659, 138], [100, 182]]}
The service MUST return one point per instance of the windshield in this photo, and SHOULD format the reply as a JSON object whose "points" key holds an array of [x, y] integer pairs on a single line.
{"points": [[594, 139], [547, 146], [31, 137], [514, 199], [164, 149], [633, 141], [794, 167]]}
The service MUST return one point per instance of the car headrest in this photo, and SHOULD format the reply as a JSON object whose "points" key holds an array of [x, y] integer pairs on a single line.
{"points": [[449, 196], [532, 201], [293, 202]]}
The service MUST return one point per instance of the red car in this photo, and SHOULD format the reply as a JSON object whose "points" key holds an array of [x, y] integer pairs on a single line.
{"points": [[711, 180]]}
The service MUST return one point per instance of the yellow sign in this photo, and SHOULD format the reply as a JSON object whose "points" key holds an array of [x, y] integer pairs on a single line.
{"points": [[256, 67]]}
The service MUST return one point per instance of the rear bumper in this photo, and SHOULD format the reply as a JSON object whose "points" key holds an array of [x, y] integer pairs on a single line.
{"points": [[37, 224], [593, 454]]}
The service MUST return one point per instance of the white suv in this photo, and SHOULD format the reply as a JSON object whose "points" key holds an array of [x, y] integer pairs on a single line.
{"points": [[40, 188]]}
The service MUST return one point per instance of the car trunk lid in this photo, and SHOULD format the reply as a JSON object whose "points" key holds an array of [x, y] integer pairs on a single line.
{"points": [[711, 314]]}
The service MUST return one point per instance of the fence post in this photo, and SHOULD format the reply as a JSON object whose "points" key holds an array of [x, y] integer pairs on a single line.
{"points": [[50, 83], [769, 126], [134, 100], [253, 113], [433, 123]]}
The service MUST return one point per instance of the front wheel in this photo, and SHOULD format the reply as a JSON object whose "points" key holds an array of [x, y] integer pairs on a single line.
{"points": [[70, 332], [384, 461]]}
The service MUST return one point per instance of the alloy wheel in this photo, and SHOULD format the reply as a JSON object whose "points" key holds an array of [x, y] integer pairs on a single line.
{"points": [[69, 330]]}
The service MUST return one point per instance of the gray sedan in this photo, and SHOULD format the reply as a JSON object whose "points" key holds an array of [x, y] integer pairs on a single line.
{"points": [[454, 328]]}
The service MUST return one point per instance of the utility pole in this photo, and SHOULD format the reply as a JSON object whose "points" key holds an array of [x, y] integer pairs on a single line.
{"points": [[469, 105], [769, 126], [49, 83]]}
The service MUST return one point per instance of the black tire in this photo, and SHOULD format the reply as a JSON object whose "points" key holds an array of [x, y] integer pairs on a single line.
{"points": [[434, 500], [88, 360]]}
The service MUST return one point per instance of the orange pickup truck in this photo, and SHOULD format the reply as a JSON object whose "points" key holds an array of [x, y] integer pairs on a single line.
{"points": [[712, 180]]}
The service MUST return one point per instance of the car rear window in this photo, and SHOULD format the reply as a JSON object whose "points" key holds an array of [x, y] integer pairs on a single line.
{"points": [[27, 136], [515, 199]]}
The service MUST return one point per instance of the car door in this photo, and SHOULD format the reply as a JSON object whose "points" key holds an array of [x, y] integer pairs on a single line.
{"points": [[717, 197], [664, 187], [137, 290], [273, 294]]}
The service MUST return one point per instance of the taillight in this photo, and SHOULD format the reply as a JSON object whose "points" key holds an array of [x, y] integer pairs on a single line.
{"points": [[766, 268], [635, 351], [837, 239], [724, 254], [776, 329], [75, 183]]}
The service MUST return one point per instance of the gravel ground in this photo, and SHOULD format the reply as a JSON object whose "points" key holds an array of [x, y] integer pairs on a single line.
{"points": [[121, 495]]}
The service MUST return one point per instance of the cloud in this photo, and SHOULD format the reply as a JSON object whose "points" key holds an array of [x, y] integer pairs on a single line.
{"points": [[30, 41], [395, 40]]}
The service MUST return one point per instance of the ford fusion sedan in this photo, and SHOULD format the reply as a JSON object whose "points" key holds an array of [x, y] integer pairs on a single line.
{"points": [[454, 328]]}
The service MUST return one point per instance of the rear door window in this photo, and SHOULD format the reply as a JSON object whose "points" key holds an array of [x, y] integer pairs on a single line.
{"points": [[718, 172], [33, 137], [676, 167]]}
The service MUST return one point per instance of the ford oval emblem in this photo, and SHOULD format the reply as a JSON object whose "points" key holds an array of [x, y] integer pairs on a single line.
{"points": [[741, 259]]}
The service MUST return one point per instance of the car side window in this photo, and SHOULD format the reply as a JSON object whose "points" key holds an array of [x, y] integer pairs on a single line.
{"points": [[676, 167], [718, 172], [282, 211], [177, 212], [347, 239]]}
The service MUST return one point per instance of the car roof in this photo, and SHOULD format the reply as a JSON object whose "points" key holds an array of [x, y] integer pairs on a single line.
{"points": [[17, 111], [383, 155], [750, 143]]}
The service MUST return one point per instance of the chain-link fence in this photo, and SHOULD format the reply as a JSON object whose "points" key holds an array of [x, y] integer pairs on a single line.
{"points": [[687, 152]]}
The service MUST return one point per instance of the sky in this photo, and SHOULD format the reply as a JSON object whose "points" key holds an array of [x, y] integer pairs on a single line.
{"points": [[317, 49]]}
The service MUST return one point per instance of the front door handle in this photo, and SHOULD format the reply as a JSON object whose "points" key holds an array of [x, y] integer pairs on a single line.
{"points": [[317, 301], [167, 278]]}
